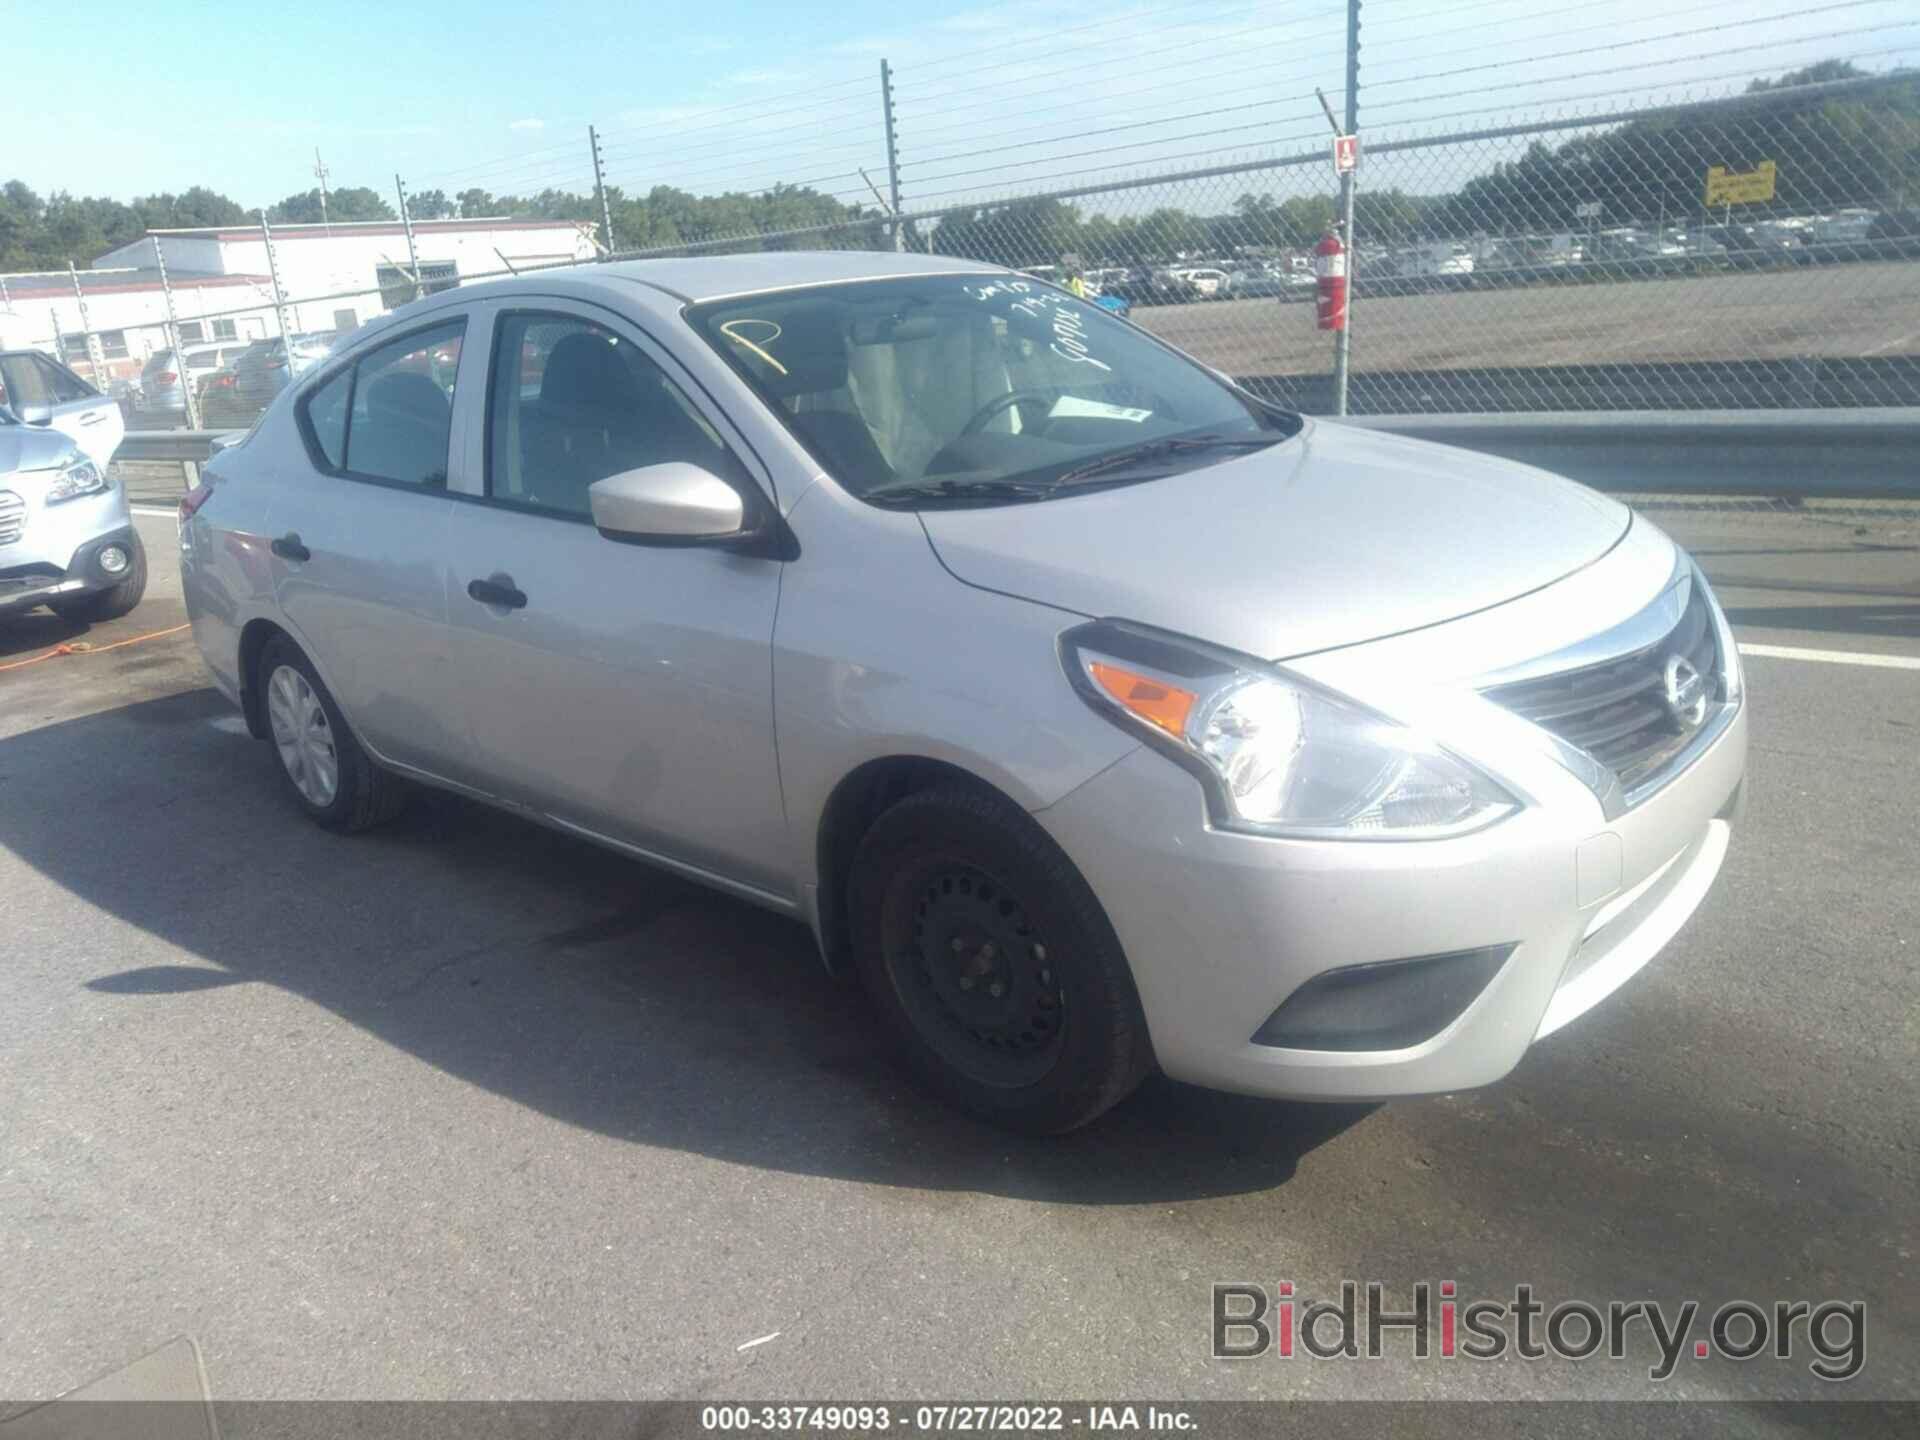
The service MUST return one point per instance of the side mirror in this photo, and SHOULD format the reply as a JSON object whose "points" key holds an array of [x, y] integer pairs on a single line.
{"points": [[35, 414], [674, 503]]}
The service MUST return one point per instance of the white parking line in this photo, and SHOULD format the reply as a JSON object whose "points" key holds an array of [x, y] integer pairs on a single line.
{"points": [[162, 510], [1833, 657]]}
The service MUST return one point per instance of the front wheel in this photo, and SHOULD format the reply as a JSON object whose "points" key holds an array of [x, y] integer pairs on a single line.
{"points": [[999, 972]]}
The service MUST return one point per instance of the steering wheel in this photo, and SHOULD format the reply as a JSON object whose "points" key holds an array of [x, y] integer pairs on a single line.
{"points": [[1006, 402]]}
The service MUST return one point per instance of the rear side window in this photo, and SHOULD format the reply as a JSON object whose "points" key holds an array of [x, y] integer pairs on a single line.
{"points": [[327, 418], [389, 416]]}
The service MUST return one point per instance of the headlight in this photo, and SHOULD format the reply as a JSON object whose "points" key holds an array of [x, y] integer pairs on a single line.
{"points": [[1278, 755], [81, 477]]}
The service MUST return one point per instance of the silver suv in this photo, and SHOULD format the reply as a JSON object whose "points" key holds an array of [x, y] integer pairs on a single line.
{"points": [[1096, 714], [66, 539]]}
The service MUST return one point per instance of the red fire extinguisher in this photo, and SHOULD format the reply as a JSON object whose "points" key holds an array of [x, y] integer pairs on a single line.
{"points": [[1330, 273]]}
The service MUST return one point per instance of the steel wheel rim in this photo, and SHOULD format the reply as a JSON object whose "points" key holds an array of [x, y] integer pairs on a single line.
{"points": [[303, 737], [975, 976]]}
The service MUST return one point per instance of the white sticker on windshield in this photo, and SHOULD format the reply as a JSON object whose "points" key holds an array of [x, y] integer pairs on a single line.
{"points": [[1072, 406]]}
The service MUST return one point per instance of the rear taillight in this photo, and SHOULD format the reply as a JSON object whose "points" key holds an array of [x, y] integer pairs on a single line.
{"points": [[194, 499], [220, 382]]}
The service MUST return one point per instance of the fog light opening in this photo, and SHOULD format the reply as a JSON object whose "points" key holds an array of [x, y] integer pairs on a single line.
{"points": [[114, 559], [1389, 1005]]}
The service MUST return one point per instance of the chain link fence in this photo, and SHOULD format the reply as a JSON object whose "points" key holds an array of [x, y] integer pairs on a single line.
{"points": [[1752, 244]]}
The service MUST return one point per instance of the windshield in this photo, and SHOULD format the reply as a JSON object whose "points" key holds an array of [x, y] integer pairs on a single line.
{"points": [[978, 389]]}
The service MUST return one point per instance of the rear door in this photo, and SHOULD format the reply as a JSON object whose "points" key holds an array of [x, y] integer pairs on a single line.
{"points": [[359, 538]]}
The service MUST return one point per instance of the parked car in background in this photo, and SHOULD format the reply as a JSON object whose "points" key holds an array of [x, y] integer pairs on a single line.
{"points": [[44, 394], [262, 370], [1208, 283], [164, 382], [66, 538], [1098, 715]]}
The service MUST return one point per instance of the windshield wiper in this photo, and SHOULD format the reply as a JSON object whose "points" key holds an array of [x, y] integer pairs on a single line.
{"points": [[957, 490], [1163, 449]]}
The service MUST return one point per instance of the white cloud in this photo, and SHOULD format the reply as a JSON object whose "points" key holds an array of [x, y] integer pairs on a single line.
{"points": [[529, 124]]}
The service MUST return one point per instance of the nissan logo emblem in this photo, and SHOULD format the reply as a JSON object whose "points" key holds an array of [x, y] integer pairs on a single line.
{"points": [[1686, 692]]}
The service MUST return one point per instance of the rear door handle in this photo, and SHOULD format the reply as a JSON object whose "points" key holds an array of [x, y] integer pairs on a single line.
{"points": [[288, 547], [498, 591]]}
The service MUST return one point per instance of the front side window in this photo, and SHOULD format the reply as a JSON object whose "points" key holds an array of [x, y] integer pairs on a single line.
{"points": [[389, 416], [65, 385], [978, 389], [573, 403], [26, 383]]}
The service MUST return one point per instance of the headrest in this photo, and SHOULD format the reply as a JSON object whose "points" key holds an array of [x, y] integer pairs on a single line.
{"points": [[583, 370], [411, 396]]}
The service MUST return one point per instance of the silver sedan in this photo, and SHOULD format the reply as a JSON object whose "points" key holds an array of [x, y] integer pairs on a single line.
{"points": [[1096, 714]]}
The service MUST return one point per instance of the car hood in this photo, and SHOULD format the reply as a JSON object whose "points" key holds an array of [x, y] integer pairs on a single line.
{"points": [[1337, 536], [29, 447]]}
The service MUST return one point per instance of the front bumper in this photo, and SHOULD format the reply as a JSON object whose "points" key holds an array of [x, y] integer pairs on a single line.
{"points": [[1221, 927], [57, 550]]}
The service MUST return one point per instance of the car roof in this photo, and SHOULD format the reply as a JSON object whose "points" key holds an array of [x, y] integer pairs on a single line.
{"points": [[712, 277]]}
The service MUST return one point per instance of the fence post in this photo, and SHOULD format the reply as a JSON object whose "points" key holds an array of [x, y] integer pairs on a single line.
{"points": [[1343, 337], [86, 330], [406, 219], [600, 189], [173, 338], [893, 155], [279, 300]]}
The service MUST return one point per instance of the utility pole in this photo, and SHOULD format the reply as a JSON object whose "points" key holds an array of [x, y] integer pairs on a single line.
{"points": [[600, 189], [406, 219], [1342, 338], [173, 339], [893, 154], [86, 330], [320, 173]]}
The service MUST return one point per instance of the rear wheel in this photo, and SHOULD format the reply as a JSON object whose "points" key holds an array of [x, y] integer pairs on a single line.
{"points": [[990, 956], [331, 777], [114, 601]]}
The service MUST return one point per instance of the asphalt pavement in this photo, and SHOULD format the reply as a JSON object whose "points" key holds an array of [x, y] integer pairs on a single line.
{"points": [[463, 1108]]}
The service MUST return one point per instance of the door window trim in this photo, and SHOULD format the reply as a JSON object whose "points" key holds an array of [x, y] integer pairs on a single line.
{"points": [[350, 363]]}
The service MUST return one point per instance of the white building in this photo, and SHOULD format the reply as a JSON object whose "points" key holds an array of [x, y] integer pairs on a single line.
{"points": [[332, 277]]}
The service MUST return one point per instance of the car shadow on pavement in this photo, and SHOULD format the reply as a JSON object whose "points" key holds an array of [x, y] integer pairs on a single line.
{"points": [[37, 630], [600, 991]]}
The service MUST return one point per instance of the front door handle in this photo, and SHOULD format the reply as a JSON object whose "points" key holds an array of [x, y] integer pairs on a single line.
{"points": [[288, 547], [94, 417], [499, 591]]}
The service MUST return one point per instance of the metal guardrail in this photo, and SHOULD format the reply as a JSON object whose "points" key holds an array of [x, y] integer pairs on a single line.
{"points": [[1869, 454]]}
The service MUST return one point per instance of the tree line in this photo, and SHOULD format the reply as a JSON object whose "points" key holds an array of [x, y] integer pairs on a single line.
{"points": [[1858, 149]]}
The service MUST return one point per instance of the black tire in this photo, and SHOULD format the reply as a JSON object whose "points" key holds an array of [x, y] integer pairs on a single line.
{"points": [[363, 795], [954, 884], [113, 602]]}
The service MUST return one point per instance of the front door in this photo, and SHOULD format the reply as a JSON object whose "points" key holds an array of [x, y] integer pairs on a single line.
{"points": [[80, 412], [624, 690]]}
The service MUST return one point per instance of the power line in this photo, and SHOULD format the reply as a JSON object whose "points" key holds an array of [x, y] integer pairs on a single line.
{"points": [[1080, 67], [1116, 129], [1645, 40]]}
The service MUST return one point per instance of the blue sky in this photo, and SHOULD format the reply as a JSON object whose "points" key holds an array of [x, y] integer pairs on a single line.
{"points": [[741, 93]]}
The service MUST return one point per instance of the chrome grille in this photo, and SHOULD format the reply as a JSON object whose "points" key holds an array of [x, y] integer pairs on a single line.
{"points": [[13, 517], [1617, 711]]}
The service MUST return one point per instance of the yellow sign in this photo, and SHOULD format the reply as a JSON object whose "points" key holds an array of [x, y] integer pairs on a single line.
{"points": [[1739, 187]]}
